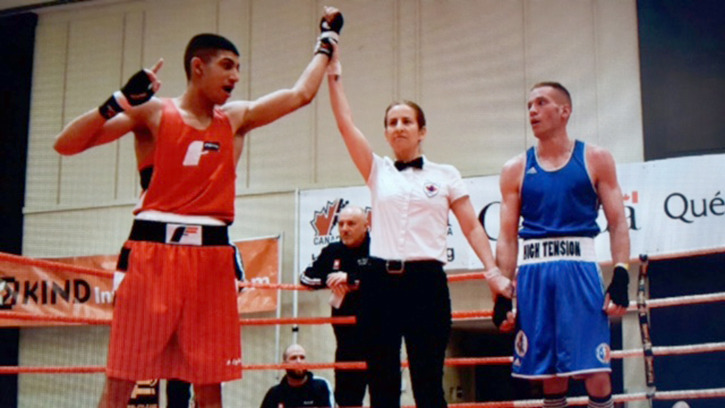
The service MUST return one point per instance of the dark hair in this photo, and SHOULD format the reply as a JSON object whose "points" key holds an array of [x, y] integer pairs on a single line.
{"points": [[205, 46], [559, 87], [419, 115]]}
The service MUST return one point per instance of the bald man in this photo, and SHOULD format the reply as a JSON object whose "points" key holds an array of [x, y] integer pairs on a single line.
{"points": [[336, 269], [299, 387]]}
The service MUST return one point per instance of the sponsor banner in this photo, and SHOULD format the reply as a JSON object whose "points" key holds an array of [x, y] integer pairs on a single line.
{"points": [[55, 292], [261, 258], [672, 206], [45, 290]]}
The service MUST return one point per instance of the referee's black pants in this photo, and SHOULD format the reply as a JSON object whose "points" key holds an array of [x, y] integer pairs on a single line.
{"points": [[413, 304], [349, 384]]}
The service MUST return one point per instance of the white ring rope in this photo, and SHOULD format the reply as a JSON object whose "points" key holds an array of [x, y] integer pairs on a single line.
{"points": [[672, 350], [659, 395], [637, 396], [686, 300], [680, 300]]}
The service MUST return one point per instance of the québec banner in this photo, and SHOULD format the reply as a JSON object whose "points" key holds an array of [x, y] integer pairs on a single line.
{"points": [[673, 206]]}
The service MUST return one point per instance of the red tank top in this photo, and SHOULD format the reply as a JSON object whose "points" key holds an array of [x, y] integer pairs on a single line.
{"points": [[193, 170]]}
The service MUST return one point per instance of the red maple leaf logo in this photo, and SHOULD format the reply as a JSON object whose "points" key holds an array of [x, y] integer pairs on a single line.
{"points": [[633, 196], [324, 220]]}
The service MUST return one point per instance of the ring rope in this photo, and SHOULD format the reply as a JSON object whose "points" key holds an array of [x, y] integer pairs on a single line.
{"points": [[61, 266], [451, 362], [246, 322], [282, 286], [659, 395], [685, 300], [4, 314], [346, 365], [57, 266], [458, 277], [471, 314], [684, 254], [672, 350], [297, 320], [460, 315], [653, 303], [52, 370], [462, 277]]}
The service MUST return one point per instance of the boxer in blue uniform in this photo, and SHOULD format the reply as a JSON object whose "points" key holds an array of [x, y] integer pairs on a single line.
{"points": [[556, 188]]}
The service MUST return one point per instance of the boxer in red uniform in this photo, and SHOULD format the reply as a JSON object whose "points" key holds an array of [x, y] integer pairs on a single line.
{"points": [[175, 308]]}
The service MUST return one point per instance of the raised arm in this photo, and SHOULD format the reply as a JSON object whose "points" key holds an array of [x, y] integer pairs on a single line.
{"points": [[246, 116], [120, 114], [357, 145]]}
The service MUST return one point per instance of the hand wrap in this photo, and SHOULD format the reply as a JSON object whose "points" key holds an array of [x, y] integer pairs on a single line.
{"points": [[138, 89], [329, 33], [617, 290], [499, 284]]}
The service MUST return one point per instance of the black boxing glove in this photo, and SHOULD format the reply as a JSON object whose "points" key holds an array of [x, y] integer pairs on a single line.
{"points": [[501, 307], [329, 33], [138, 89], [617, 290]]}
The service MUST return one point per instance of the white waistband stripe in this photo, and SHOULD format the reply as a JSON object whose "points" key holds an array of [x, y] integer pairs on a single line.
{"points": [[557, 249]]}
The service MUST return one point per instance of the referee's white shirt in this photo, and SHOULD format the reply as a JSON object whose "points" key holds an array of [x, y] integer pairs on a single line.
{"points": [[410, 209]]}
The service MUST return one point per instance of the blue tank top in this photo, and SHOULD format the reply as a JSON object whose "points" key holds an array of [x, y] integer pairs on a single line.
{"points": [[561, 202]]}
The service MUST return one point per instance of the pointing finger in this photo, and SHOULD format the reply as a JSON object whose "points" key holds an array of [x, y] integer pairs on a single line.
{"points": [[158, 65], [155, 83], [329, 11]]}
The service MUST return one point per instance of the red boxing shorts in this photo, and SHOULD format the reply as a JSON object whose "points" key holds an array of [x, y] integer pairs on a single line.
{"points": [[175, 313]]}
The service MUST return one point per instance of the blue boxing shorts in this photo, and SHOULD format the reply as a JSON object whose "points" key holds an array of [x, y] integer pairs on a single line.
{"points": [[561, 329]]}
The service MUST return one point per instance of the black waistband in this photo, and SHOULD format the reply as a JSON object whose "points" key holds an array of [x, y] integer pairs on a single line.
{"points": [[398, 266], [179, 234]]}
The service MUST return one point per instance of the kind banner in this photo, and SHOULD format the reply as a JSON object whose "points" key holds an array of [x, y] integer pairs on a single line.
{"points": [[53, 291]]}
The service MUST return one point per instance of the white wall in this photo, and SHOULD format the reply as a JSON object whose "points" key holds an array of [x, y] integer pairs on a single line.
{"points": [[469, 63]]}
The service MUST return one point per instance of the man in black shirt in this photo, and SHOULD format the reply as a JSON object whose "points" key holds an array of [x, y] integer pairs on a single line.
{"points": [[299, 387], [336, 268]]}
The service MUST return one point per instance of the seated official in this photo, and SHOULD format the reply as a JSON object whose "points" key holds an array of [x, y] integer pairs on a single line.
{"points": [[299, 387]]}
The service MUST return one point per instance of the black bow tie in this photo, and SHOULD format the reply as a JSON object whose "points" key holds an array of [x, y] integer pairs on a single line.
{"points": [[415, 163]]}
